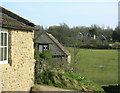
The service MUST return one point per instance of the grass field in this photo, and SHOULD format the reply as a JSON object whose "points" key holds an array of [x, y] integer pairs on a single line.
{"points": [[101, 66]]}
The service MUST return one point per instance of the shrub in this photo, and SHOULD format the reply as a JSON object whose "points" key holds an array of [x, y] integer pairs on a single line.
{"points": [[45, 55], [66, 80], [36, 54]]}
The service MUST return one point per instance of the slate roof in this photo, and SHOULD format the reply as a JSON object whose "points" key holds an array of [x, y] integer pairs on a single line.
{"points": [[58, 44], [9, 19]]}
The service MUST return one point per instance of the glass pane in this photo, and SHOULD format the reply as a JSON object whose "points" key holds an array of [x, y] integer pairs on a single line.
{"points": [[1, 54], [5, 39], [40, 48], [45, 47], [1, 39], [5, 53]]}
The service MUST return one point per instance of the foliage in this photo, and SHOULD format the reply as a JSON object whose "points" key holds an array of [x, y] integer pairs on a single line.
{"points": [[62, 75], [44, 54], [44, 77], [82, 36], [116, 35], [67, 80], [36, 54]]}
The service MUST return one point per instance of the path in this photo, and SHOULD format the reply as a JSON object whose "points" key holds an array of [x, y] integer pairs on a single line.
{"points": [[48, 88]]}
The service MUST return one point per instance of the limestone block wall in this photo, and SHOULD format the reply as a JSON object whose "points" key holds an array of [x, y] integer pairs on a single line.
{"points": [[18, 74]]}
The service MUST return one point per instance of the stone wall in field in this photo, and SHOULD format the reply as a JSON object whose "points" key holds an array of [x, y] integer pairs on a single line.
{"points": [[18, 74]]}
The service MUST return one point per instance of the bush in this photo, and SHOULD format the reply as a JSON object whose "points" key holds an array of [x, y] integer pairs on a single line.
{"points": [[44, 77], [44, 55], [66, 80], [36, 54]]}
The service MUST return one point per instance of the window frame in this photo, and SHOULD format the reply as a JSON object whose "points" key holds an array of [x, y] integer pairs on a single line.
{"points": [[43, 47], [4, 31]]}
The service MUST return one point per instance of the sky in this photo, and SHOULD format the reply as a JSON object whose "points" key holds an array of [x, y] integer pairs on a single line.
{"points": [[73, 13], [119, 14]]}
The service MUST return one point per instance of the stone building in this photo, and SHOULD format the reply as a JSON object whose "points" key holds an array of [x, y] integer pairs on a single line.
{"points": [[16, 52], [46, 41]]}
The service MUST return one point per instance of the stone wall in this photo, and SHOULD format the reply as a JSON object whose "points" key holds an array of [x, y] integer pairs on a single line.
{"points": [[18, 74]]}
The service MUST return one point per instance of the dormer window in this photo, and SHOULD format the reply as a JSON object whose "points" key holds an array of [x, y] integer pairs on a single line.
{"points": [[3, 46]]}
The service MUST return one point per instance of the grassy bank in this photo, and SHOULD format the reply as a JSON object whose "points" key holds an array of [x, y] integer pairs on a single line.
{"points": [[101, 66], [67, 80]]}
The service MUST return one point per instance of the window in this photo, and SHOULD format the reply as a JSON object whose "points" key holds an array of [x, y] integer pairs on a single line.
{"points": [[45, 47], [42, 47], [3, 46]]}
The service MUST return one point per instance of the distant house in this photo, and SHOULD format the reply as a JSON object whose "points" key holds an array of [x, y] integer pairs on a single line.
{"points": [[47, 42], [91, 35], [16, 52]]}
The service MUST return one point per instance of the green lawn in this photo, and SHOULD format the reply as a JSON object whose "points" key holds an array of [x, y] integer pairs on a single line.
{"points": [[101, 66]]}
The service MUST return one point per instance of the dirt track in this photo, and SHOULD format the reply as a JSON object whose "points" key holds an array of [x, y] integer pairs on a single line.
{"points": [[48, 88]]}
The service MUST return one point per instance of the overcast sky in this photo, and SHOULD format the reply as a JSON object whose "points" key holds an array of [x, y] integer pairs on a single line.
{"points": [[71, 13]]}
